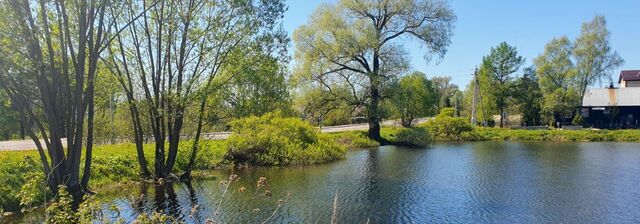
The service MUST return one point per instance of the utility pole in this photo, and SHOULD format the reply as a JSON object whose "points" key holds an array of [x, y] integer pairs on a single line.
{"points": [[475, 97]]}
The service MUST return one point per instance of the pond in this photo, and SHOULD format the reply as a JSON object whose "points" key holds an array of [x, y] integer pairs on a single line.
{"points": [[481, 182]]}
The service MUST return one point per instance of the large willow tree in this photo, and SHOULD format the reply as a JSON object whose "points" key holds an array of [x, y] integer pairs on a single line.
{"points": [[594, 57], [363, 38]]}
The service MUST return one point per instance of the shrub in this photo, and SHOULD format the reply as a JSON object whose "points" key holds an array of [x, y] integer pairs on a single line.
{"points": [[60, 210], [353, 139], [275, 140], [447, 128], [577, 120], [414, 137], [210, 154], [20, 175], [447, 112]]}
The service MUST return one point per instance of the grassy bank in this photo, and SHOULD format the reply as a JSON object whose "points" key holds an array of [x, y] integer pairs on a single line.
{"points": [[446, 127], [22, 174], [21, 171], [558, 135]]}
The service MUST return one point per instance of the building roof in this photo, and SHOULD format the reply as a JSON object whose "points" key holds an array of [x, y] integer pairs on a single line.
{"points": [[611, 97], [629, 75]]}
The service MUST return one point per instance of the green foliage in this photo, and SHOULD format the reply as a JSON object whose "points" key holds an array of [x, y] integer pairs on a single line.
{"points": [[60, 211], [33, 192], [337, 36], [210, 155], [447, 112], [528, 96], [566, 68], [577, 120], [413, 137], [445, 127], [275, 140], [499, 66], [557, 79], [154, 218], [446, 91], [89, 210], [559, 135], [412, 97], [21, 187], [327, 107], [486, 103], [256, 74], [111, 122], [9, 119], [594, 55], [339, 46], [353, 139]]}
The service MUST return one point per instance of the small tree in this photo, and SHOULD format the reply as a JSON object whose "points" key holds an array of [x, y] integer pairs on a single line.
{"points": [[501, 64], [446, 91], [528, 96], [412, 97]]}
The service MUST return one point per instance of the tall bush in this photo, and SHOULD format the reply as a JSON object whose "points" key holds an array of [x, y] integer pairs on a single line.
{"points": [[272, 140], [445, 127], [412, 137]]}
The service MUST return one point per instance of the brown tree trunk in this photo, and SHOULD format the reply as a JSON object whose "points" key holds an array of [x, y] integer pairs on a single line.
{"points": [[406, 122], [373, 115], [138, 139], [501, 117]]}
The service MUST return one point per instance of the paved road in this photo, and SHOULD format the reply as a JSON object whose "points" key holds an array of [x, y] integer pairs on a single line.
{"points": [[29, 145]]}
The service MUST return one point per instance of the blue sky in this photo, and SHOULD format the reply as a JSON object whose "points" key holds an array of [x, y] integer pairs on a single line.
{"points": [[528, 25]]}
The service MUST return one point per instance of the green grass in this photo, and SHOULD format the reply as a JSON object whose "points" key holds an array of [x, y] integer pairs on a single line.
{"points": [[354, 140], [111, 164], [559, 135]]}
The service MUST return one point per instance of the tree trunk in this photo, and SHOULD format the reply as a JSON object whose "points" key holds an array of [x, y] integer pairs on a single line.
{"points": [[138, 139], [84, 182], [374, 115], [501, 117], [406, 120], [173, 150], [194, 150], [22, 125], [159, 164]]}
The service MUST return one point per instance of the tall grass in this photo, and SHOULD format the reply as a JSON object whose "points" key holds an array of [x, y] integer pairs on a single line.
{"points": [[111, 164]]}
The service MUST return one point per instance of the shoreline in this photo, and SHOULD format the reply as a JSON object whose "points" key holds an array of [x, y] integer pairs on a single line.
{"points": [[115, 166]]}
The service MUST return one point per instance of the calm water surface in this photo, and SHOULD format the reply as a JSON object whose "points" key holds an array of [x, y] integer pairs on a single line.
{"points": [[484, 182]]}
